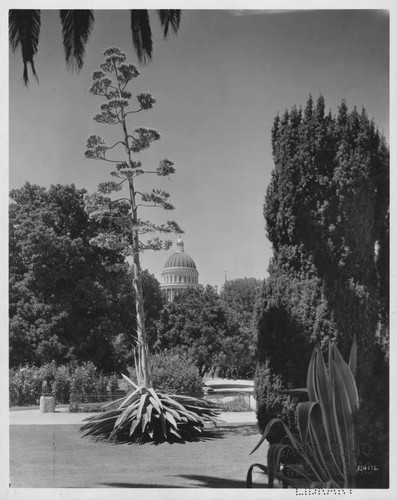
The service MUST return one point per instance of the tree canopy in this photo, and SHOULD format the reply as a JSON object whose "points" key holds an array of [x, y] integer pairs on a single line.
{"points": [[197, 323], [69, 300]]}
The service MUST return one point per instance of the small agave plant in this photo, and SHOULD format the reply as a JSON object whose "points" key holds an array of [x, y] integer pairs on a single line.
{"points": [[322, 454], [146, 415]]}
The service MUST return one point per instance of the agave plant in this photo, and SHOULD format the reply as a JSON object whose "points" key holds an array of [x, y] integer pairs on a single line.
{"points": [[322, 454], [146, 415]]}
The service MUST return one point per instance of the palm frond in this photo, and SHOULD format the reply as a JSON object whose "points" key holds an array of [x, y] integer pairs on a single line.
{"points": [[76, 29], [141, 35], [169, 18], [24, 32]]}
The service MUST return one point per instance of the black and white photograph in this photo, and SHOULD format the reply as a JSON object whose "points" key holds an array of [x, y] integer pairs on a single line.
{"points": [[196, 250]]}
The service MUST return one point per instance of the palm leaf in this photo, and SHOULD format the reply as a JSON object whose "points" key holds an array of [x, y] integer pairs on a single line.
{"points": [[141, 35], [169, 18], [76, 29], [24, 32]]}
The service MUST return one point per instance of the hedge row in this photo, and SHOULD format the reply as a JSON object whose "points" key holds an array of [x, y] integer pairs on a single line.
{"points": [[171, 372], [26, 383]]}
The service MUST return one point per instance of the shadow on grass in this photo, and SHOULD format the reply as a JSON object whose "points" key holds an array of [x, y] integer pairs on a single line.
{"points": [[219, 482], [207, 435], [138, 485], [203, 482], [204, 436]]}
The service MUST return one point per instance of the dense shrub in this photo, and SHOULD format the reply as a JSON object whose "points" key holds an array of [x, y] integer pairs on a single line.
{"points": [[270, 403], [237, 404], [61, 384], [25, 383], [113, 384], [25, 386], [174, 373]]}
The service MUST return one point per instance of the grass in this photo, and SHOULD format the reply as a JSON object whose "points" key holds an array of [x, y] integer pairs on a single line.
{"points": [[55, 456]]}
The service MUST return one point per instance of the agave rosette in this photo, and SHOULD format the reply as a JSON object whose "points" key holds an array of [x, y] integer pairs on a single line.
{"points": [[146, 415]]}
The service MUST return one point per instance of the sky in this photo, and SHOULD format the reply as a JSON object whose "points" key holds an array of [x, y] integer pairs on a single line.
{"points": [[219, 84]]}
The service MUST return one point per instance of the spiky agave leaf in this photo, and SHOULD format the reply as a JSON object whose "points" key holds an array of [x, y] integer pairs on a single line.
{"points": [[326, 433], [146, 415]]}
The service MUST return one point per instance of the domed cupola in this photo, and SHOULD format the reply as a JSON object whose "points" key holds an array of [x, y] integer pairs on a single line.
{"points": [[179, 272], [180, 258]]}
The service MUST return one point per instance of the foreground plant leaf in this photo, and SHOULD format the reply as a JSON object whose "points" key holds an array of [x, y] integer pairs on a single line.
{"points": [[323, 454]]}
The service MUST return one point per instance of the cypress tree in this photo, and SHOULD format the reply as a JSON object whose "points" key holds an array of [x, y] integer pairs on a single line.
{"points": [[326, 213]]}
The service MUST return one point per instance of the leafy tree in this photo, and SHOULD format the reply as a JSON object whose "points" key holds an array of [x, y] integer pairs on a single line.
{"points": [[326, 214], [68, 299], [196, 323], [61, 289], [239, 296], [77, 25], [125, 229]]}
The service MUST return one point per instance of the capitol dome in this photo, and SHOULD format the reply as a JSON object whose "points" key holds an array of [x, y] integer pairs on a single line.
{"points": [[179, 258], [179, 273]]}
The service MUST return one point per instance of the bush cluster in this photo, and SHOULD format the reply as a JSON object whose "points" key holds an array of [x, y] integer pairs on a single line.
{"points": [[272, 404], [25, 383], [176, 373]]}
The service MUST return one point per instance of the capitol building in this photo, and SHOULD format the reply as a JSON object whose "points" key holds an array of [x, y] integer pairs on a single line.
{"points": [[179, 273]]}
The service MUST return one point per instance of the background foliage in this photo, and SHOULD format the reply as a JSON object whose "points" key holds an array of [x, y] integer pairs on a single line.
{"points": [[69, 300], [26, 382], [200, 325]]}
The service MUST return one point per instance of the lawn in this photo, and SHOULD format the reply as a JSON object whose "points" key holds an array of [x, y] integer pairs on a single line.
{"points": [[56, 456]]}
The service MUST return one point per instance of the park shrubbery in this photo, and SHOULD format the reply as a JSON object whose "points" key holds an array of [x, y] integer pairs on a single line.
{"points": [[176, 373], [26, 382]]}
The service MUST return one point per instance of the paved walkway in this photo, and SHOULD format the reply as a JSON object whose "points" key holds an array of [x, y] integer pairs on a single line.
{"points": [[62, 416]]}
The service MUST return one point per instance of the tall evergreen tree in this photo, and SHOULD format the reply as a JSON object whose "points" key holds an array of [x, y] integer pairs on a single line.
{"points": [[326, 214]]}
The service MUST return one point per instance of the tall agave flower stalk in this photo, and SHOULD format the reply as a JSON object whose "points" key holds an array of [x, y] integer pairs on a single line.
{"points": [[144, 414], [322, 455]]}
